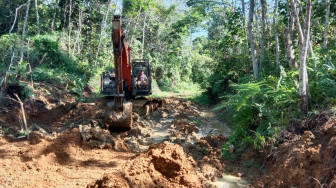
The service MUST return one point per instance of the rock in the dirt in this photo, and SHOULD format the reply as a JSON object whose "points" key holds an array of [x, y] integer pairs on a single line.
{"points": [[110, 180], [96, 137], [136, 117], [35, 137], [164, 114], [85, 132]]}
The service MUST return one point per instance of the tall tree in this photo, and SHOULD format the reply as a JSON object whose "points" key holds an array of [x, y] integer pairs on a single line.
{"points": [[103, 26], [253, 49], [304, 45], [275, 23], [143, 36], [55, 8], [24, 30], [310, 43], [69, 26], [288, 35], [79, 32], [290, 52], [4, 79], [244, 26], [326, 26], [263, 26], [37, 18]]}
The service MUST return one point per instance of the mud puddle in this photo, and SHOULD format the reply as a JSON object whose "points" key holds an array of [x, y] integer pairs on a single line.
{"points": [[229, 181], [211, 125]]}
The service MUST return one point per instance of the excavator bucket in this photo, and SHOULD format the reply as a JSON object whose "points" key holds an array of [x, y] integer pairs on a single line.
{"points": [[119, 120]]}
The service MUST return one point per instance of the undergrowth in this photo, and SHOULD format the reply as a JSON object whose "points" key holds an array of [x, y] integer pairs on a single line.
{"points": [[258, 110], [49, 63]]}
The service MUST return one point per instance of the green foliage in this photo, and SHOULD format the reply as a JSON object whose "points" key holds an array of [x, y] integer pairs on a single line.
{"points": [[74, 83], [257, 110], [200, 98], [26, 92], [252, 163], [323, 84]]}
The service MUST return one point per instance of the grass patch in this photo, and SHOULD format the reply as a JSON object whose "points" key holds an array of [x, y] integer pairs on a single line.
{"points": [[200, 98], [181, 90]]}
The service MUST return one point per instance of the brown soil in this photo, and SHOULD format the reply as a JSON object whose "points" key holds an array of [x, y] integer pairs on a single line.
{"points": [[304, 160], [50, 108], [70, 147], [61, 162], [163, 165]]}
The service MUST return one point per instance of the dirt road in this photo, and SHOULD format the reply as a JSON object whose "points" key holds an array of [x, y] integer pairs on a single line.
{"points": [[174, 143], [70, 148]]}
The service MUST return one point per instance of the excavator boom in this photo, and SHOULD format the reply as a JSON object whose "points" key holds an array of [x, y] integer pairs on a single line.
{"points": [[118, 116], [121, 62]]}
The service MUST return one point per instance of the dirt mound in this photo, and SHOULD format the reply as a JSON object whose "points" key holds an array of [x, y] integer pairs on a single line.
{"points": [[49, 107], [96, 137], [207, 153], [62, 147], [163, 165], [307, 160]]}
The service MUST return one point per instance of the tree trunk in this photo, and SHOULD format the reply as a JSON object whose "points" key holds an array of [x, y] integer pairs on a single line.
{"points": [[310, 44], [37, 18], [135, 26], [24, 30], [275, 23], [244, 27], [304, 45], [290, 53], [54, 16], [290, 44], [4, 79], [143, 37], [253, 50], [69, 26], [63, 21], [102, 28], [326, 27], [263, 25], [78, 41]]}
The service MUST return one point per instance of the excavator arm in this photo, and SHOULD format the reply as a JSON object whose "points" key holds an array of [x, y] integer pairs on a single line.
{"points": [[121, 62], [118, 115]]}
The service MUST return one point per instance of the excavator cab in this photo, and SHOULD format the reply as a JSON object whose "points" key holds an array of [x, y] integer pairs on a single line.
{"points": [[108, 86], [141, 77]]}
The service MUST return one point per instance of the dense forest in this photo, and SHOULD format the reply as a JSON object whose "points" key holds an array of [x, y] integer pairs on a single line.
{"points": [[261, 65]]}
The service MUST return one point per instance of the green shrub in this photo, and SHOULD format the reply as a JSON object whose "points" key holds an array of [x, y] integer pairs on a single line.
{"points": [[257, 111]]}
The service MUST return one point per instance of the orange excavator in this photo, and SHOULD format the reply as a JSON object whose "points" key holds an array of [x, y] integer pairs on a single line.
{"points": [[128, 80]]}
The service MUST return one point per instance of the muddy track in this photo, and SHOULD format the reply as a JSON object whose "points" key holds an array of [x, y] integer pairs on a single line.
{"points": [[174, 143], [72, 148]]}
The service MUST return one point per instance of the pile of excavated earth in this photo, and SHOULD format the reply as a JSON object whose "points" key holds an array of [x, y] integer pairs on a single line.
{"points": [[173, 143], [305, 156]]}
